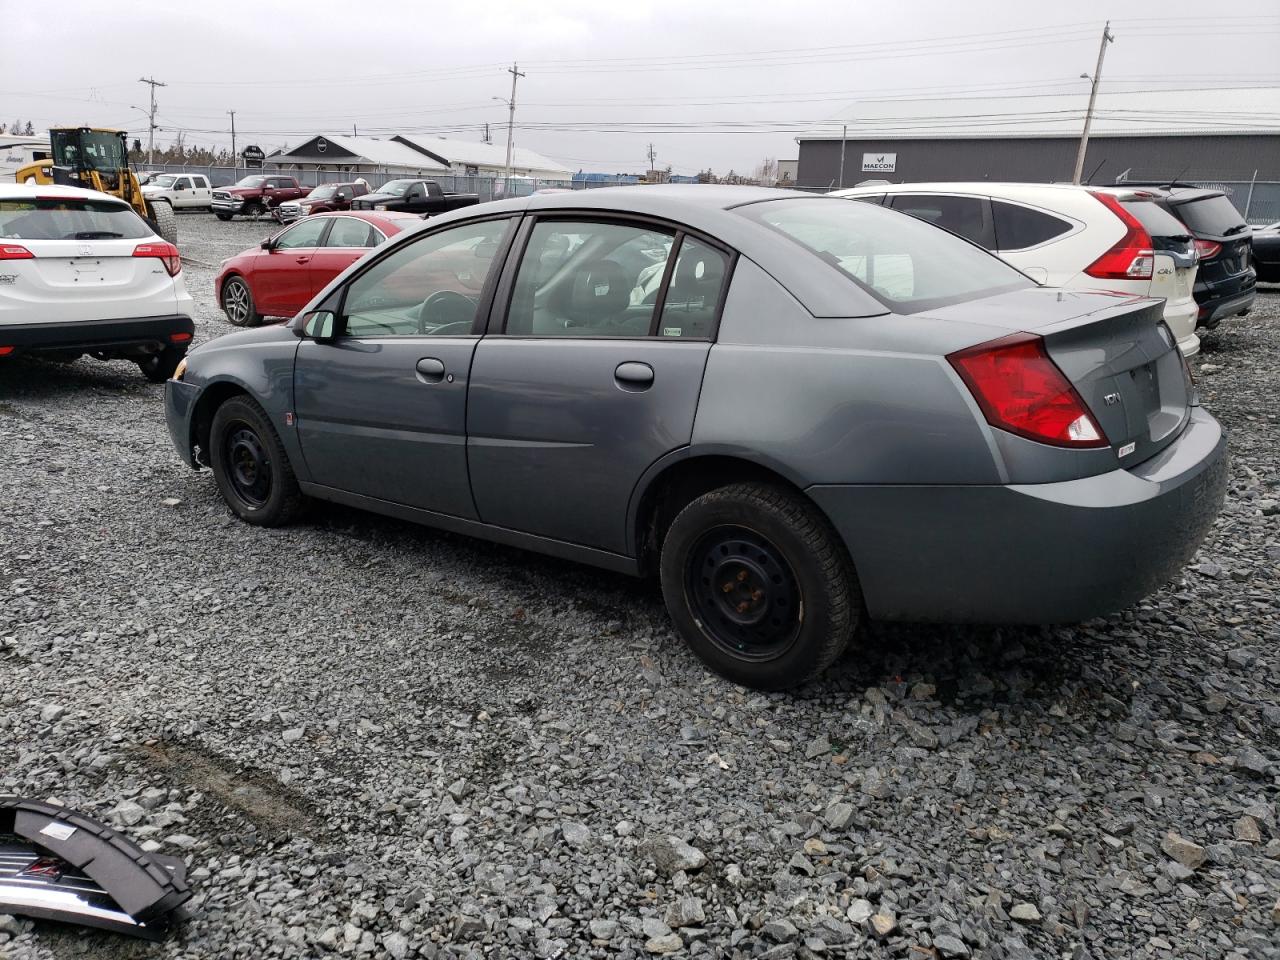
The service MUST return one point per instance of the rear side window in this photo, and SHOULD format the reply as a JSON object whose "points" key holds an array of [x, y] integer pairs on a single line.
{"points": [[907, 265], [1019, 227], [59, 218], [966, 216], [350, 232], [1215, 216]]}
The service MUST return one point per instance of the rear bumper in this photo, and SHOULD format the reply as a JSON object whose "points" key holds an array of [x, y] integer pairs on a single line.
{"points": [[1042, 553], [132, 337], [179, 407], [1225, 298]]}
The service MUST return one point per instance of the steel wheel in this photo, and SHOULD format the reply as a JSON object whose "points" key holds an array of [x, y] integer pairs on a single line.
{"points": [[247, 465], [237, 303], [744, 592]]}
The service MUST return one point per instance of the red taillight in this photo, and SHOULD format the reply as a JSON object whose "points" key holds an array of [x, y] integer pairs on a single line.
{"points": [[1208, 249], [5, 351], [166, 252], [1020, 389], [1132, 257], [179, 338], [11, 251]]}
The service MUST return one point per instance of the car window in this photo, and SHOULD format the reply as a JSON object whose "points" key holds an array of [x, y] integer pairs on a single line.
{"points": [[870, 198], [689, 310], [53, 218], [201, 182], [1019, 227], [432, 286], [907, 265], [962, 215], [1215, 216], [583, 279], [305, 233], [1158, 221], [184, 183], [349, 232]]}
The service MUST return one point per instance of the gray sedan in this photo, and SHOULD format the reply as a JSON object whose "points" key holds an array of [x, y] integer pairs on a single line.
{"points": [[797, 412]]}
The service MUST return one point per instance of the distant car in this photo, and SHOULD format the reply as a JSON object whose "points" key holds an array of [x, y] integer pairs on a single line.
{"points": [[822, 411], [182, 191], [1085, 238], [82, 273], [1266, 253], [256, 195], [322, 199], [414, 196], [278, 277]]}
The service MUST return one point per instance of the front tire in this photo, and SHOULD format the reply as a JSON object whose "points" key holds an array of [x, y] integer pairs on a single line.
{"points": [[166, 221], [237, 303], [759, 585], [250, 465]]}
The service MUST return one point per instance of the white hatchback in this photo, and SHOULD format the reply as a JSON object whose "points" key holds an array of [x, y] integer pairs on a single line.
{"points": [[82, 273], [1061, 235]]}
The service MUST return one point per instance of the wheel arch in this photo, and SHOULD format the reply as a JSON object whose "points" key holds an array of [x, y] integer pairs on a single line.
{"points": [[211, 398], [680, 477]]}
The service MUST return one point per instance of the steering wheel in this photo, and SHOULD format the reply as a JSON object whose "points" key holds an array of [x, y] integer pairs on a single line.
{"points": [[445, 307]]}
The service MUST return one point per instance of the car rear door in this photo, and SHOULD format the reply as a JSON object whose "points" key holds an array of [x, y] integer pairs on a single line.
{"points": [[281, 281], [967, 216], [67, 259], [348, 239], [201, 194], [590, 374]]}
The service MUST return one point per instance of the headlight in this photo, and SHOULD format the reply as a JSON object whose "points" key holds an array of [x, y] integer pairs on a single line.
{"points": [[181, 369]]}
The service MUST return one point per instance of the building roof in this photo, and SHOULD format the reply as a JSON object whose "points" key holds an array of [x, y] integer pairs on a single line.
{"points": [[361, 150], [469, 152], [1162, 113]]}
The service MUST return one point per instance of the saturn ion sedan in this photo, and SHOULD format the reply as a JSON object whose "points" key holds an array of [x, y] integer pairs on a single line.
{"points": [[797, 412]]}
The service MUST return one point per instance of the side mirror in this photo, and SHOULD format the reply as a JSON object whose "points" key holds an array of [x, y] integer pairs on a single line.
{"points": [[268, 244], [319, 325], [341, 195]]}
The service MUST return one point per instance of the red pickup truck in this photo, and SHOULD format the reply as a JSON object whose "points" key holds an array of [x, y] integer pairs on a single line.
{"points": [[256, 195]]}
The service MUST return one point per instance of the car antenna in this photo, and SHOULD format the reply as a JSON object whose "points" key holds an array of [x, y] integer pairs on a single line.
{"points": [[1089, 178]]}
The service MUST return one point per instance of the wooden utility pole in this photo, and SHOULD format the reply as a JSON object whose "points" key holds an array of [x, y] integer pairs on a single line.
{"points": [[844, 139], [1093, 96], [151, 117], [511, 113], [235, 157]]}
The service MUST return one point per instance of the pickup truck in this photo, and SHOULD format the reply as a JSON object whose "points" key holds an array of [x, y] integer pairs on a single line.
{"points": [[326, 198], [256, 195], [414, 196], [180, 190]]}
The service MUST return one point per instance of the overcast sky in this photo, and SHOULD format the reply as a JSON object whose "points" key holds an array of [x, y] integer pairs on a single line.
{"points": [[716, 83]]}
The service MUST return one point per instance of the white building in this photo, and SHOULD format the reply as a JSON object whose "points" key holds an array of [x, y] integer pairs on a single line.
{"points": [[356, 155], [468, 158]]}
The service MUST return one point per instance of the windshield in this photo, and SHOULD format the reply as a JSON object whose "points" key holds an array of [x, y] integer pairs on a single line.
{"points": [[251, 181], [86, 150], [323, 192], [396, 188], [56, 218], [163, 181], [907, 264], [1215, 216]]}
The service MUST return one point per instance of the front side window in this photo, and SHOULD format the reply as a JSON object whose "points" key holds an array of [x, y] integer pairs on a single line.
{"points": [[907, 265], [430, 287], [52, 218], [965, 216], [582, 279], [306, 233], [1018, 227], [350, 232]]}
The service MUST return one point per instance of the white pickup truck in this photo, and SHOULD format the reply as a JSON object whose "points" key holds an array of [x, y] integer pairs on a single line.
{"points": [[180, 190]]}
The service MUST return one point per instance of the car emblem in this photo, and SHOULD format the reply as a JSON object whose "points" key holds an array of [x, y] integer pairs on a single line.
{"points": [[86, 250], [1111, 399]]}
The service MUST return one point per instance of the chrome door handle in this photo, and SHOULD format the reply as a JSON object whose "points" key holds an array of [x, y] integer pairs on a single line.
{"points": [[634, 375], [430, 370]]}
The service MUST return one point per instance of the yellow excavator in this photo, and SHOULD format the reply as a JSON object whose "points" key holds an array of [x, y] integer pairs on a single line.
{"points": [[98, 160]]}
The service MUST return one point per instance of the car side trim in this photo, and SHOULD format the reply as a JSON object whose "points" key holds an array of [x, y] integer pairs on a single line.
{"points": [[474, 528]]}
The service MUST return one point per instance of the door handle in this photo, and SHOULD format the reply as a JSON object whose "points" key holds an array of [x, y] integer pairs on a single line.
{"points": [[430, 370], [633, 375], [303, 259]]}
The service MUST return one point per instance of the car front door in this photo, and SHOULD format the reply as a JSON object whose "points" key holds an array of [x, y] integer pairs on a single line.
{"points": [[593, 376], [281, 282], [382, 408], [182, 192], [348, 239]]}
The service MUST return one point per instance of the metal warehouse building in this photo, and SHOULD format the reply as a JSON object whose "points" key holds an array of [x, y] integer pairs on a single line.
{"points": [[1222, 135]]}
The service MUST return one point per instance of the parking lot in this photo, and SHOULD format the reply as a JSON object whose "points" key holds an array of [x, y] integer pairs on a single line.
{"points": [[373, 739]]}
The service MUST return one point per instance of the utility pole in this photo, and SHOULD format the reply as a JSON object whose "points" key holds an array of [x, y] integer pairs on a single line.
{"points": [[151, 135], [487, 137], [844, 139], [235, 158], [1093, 96], [652, 161], [511, 112]]}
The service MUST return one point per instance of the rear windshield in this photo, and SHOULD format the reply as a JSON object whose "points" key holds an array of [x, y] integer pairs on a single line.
{"points": [[1158, 221], [1215, 216], [907, 264], [69, 219]]}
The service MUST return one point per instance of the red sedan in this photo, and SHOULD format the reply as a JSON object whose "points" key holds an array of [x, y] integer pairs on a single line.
{"points": [[279, 278]]}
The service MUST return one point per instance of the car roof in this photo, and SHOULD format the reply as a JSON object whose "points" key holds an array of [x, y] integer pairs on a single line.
{"points": [[991, 188], [27, 191]]}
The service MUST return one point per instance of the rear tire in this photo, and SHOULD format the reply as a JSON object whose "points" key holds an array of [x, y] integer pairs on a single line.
{"points": [[250, 465], [759, 585], [166, 221], [159, 367], [237, 303]]}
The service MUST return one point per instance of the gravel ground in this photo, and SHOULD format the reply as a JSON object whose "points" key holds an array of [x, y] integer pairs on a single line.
{"points": [[374, 740]]}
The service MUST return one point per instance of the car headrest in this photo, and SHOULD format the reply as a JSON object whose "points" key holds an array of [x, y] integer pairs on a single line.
{"points": [[698, 274], [599, 290]]}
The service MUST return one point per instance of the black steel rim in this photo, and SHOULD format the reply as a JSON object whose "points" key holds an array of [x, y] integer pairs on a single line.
{"points": [[744, 593], [248, 467]]}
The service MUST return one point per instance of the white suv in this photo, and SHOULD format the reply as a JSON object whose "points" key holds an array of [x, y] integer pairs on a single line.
{"points": [[81, 273], [1110, 238], [182, 191]]}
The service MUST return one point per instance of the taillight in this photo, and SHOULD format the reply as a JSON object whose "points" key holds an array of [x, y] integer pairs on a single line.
{"points": [[179, 338], [1208, 249], [1132, 257], [1020, 389], [11, 251], [166, 252], [5, 351]]}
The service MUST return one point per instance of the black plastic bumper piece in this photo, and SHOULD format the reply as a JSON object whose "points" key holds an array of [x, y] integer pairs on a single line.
{"points": [[58, 864], [122, 337]]}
